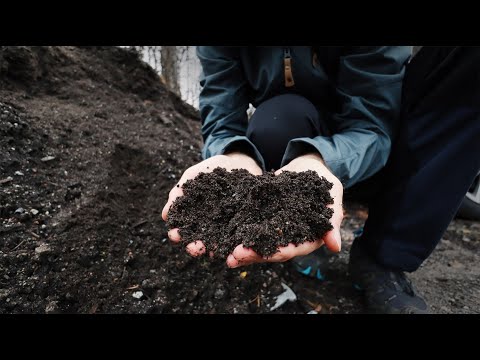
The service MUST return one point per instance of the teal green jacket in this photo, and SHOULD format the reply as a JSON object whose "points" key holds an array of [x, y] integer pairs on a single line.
{"points": [[357, 90]]}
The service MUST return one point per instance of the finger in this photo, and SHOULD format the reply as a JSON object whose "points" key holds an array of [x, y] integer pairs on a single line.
{"points": [[333, 239], [174, 235], [244, 256], [232, 262], [176, 192], [196, 248], [290, 251]]}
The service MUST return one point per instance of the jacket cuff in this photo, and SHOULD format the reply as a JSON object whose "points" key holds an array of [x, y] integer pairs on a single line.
{"points": [[235, 143], [301, 146]]}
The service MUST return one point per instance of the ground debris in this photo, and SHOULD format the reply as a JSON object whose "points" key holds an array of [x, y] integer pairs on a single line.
{"points": [[287, 295]]}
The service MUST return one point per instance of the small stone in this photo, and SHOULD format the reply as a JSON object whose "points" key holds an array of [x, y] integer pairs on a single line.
{"points": [[48, 158], [42, 249], [466, 239], [18, 173], [137, 294], [34, 211], [219, 293], [147, 284], [4, 294], [51, 307], [6, 180]]}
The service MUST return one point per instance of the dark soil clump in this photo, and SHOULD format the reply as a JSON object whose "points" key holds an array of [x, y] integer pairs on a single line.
{"points": [[225, 209]]}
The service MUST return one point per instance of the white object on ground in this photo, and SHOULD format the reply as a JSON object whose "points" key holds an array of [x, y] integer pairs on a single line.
{"points": [[287, 295], [42, 249], [137, 294]]}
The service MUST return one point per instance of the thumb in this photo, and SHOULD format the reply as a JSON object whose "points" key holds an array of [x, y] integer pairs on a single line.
{"points": [[172, 196], [333, 240]]}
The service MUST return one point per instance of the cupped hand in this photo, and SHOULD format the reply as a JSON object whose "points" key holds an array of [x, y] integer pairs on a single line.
{"points": [[234, 160], [244, 256]]}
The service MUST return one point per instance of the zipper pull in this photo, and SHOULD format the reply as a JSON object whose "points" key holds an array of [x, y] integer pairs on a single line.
{"points": [[287, 64]]}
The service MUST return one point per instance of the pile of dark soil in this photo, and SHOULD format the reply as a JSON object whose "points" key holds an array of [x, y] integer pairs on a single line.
{"points": [[225, 209]]}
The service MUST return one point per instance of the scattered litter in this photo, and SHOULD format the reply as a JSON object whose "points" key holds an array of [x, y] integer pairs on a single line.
{"points": [[34, 211], [287, 295], [312, 312], [18, 173], [137, 294], [315, 306], [243, 274], [20, 210]]}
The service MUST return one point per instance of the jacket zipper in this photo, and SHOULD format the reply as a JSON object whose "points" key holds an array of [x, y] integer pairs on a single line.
{"points": [[287, 64]]}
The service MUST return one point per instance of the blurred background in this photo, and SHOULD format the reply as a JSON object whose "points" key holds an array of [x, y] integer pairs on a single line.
{"points": [[178, 67]]}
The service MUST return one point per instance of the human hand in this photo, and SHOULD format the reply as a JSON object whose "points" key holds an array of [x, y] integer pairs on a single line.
{"points": [[234, 160], [244, 256]]}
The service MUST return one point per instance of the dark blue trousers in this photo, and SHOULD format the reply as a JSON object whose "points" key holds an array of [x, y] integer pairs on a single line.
{"points": [[434, 158]]}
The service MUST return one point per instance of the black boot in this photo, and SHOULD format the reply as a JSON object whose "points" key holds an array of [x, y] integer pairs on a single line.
{"points": [[385, 291]]}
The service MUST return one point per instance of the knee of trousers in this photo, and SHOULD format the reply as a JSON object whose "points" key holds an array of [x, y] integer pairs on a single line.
{"points": [[279, 120]]}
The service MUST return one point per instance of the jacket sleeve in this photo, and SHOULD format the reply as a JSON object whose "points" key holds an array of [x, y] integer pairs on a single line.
{"points": [[369, 84], [224, 102]]}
